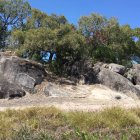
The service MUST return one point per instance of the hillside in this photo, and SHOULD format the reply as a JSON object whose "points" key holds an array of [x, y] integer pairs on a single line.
{"points": [[45, 89]]}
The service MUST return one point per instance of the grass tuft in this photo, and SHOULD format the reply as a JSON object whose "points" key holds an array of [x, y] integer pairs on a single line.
{"points": [[51, 123]]}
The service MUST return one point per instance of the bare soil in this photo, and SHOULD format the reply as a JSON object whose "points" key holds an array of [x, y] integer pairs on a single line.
{"points": [[79, 98]]}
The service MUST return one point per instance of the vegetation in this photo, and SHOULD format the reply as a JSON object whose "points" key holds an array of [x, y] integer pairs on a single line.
{"points": [[51, 123], [32, 33], [12, 15]]}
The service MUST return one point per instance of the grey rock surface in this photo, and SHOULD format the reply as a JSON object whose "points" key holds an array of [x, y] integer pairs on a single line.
{"points": [[116, 68], [136, 66], [137, 86], [25, 80], [21, 71], [9, 90], [55, 91], [117, 82], [134, 76]]}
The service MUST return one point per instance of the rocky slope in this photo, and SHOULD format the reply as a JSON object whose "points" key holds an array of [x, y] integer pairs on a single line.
{"points": [[72, 98], [20, 76]]}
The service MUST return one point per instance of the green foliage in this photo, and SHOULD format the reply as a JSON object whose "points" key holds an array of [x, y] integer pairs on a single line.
{"points": [[116, 41], [71, 46], [20, 52], [68, 44], [18, 37], [89, 25], [104, 54], [97, 38], [36, 57], [12, 15], [39, 19], [13, 12], [35, 41], [40, 39], [127, 63], [64, 29]]}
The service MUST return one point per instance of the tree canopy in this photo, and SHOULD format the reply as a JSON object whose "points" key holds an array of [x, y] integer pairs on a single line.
{"points": [[30, 32], [12, 15]]}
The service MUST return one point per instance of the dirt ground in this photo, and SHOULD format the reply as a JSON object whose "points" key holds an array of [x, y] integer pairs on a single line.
{"points": [[79, 98]]}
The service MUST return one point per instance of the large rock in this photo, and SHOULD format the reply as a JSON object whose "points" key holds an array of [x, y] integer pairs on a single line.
{"points": [[116, 68], [117, 82], [55, 91], [134, 76], [25, 80], [8, 90], [136, 66], [21, 71], [137, 86]]}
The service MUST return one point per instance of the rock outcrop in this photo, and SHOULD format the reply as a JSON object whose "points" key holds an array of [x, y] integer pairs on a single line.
{"points": [[116, 68], [18, 75], [134, 74], [111, 75], [21, 71], [136, 66], [117, 82], [10, 90]]}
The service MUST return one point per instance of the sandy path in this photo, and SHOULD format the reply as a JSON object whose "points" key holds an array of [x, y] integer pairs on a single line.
{"points": [[85, 98]]}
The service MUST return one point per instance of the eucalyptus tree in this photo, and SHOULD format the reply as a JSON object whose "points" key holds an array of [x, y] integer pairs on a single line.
{"points": [[107, 40], [13, 14], [40, 19]]}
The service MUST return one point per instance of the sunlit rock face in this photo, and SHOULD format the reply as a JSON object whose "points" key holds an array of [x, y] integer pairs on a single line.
{"points": [[22, 72]]}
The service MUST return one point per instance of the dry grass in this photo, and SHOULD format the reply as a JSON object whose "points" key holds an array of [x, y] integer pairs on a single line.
{"points": [[51, 123]]}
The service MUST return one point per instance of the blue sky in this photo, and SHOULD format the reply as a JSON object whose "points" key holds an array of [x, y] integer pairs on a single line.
{"points": [[126, 11]]}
